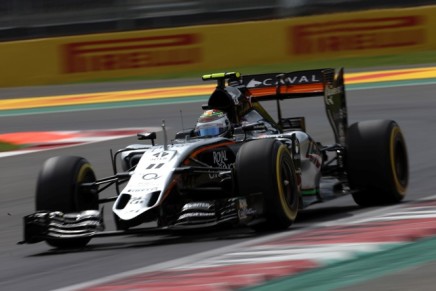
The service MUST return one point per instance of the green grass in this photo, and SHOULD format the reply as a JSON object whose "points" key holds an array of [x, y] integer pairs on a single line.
{"points": [[421, 58], [388, 61], [418, 58], [8, 147]]}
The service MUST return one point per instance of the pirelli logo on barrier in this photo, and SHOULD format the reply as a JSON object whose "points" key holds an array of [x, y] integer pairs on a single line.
{"points": [[357, 34], [131, 53]]}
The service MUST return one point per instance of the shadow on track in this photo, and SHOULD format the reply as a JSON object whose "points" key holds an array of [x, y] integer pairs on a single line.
{"points": [[165, 237]]}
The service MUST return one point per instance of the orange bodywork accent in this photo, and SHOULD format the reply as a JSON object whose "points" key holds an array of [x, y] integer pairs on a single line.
{"points": [[287, 89]]}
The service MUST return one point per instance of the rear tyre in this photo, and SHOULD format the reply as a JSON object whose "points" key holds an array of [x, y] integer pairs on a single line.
{"points": [[377, 162], [58, 189], [266, 166]]}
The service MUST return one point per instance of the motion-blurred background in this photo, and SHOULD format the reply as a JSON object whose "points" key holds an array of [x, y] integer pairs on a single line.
{"points": [[23, 19], [50, 42]]}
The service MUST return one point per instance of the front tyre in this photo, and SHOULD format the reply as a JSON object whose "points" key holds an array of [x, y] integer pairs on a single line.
{"points": [[377, 162], [265, 166], [58, 189]]}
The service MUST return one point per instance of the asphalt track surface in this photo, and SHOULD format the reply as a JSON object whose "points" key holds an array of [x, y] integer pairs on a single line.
{"points": [[38, 267]]}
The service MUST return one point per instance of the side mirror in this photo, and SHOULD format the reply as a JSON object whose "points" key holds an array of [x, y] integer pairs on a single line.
{"points": [[185, 134], [147, 135]]}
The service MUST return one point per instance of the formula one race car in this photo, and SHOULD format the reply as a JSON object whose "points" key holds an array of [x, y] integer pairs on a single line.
{"points": [[239, 165]]}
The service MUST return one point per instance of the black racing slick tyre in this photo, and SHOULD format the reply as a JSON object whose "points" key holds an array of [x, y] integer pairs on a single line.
{"points": [[58, 189], [377, 162], [265, 166]]}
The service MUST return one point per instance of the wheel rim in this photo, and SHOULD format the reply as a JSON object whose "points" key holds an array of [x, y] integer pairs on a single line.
{"points": [[286, 184], [86, 200]]}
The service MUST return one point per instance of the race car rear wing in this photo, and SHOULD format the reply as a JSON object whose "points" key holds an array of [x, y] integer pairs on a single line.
{"points": [[285, 85], [325, 83], [300, 84]]}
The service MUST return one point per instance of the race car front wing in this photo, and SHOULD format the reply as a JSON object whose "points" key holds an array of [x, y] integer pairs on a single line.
{"points": [[44, 225], [56, 225]]}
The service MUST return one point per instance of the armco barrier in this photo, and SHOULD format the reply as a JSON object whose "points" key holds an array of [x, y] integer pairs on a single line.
{"points": [[215, 47]]}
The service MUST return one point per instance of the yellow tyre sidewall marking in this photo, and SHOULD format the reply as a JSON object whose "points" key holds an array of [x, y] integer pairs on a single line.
{"points": [[288, 211], [82, 172], [395, 132]]}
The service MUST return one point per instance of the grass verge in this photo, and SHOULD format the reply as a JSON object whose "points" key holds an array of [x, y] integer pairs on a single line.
{"points": [[350, 63], [8, 147]]}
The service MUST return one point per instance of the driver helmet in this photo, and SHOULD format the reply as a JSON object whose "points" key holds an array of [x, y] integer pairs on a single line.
{"points": [[213, 123]]}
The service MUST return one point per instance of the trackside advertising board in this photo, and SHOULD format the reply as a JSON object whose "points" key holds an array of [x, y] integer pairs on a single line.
{"points": [[202, 49]]}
